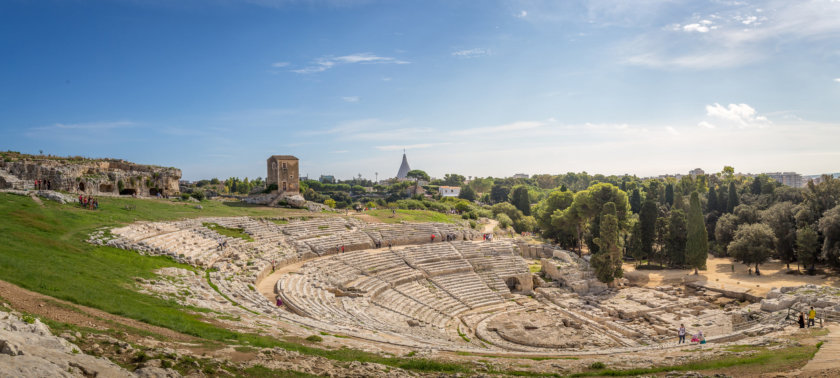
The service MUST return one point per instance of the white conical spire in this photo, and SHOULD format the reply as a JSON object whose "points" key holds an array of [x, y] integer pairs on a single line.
{"points": [[404, 168]]}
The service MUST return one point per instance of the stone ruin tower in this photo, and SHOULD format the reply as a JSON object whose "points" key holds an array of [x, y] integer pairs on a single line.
{"points": [[283, 172]]}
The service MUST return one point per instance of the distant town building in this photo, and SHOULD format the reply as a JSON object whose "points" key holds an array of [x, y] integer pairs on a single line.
{"points": [[449, 191], [696, 172], [283, 172], [520, 176], [791, 179], [402, 173], [327, 179]]}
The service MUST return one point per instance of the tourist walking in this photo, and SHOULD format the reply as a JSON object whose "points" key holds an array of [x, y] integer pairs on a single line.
{"points": [[681, 334], [279, 301], [812, 314], [801, 320], [433, 238]]}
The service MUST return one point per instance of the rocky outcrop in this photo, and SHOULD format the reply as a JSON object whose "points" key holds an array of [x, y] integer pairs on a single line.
{"points": [[28, 349], [88, 176]]}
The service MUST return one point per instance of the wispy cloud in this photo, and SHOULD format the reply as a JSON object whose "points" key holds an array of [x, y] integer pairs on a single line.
{"points": [[471, 53], [280, 64], [395, 147], [741, 115], [350, 98], [706, 125], [87, 126], [837, 80], [324, 63], [522, 14], [514, 126]]}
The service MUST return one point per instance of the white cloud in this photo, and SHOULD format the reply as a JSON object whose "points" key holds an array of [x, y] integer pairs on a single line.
{"points": [[671, 130], [522, 14], [696, 28], [837, 80], [471, 53], [741, 115], [351, 98], [324, 63], [87, 126], [706, 125], [280, 64]]}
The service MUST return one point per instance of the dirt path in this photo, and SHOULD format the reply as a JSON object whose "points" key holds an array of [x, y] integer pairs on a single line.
{"points": [[773, 274], [65, 312], [826, 362], [266, 285]]}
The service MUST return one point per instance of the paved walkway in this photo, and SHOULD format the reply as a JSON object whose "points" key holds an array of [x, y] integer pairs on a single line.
{"points": [[828, 357]]}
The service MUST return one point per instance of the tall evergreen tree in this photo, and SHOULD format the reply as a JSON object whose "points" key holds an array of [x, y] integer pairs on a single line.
{"points": [[635, 201], [467, 193], [679, 202], [755, 188], [733, 200], [677, 235], [607, 262], [712, 200], [634, 247], [669, 194], [647, 228], [697, 244], [723, 198], [520, 199]]}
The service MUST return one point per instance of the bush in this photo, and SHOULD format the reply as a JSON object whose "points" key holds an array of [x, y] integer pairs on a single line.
{"points": [[525, 224], [504, 220], [473, 225], [597, 365], [185, 196], [330, 202], [199, 195], [270, 188], [315, 339]]}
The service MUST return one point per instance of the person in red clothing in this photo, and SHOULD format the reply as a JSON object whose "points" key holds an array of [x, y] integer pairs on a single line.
{"points": [[433, 238]]}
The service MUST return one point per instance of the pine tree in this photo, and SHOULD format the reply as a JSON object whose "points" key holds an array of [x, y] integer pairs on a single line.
{"points": [[467, 193], [607, 262], [697, 243], [732, 201]]}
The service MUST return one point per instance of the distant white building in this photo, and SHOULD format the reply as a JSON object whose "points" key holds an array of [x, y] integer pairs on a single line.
{"points": [[791, 179], [449, 191], [696, 172], [520, 176]]}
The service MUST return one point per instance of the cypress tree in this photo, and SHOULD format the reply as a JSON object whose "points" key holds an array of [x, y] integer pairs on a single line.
{"points": [[755, 188], [635, 201], [521, 200], [675, 242], [712, 203], [733, 201], [647, 228], [697, 243], [607, 262], [722, 200], [669, 194]]}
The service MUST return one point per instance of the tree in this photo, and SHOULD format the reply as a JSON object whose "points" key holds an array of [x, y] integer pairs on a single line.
{"points": [[554, 203], [634, 245], [635, 201], [504, 220], [481, 185], [467, 193], [453, 179], [755, 187], [723, 198], [587, 209], [753, 244], [330, 202], [669, 194], [725, 230], [499, 193], [607, 262], [829, 225], [417, 175], [679, 201], [733, 200], [781, 219], [712, 200], [677, 238], [647, 228], [807, 247], [521, 200], [697, 244], [746, 214]]}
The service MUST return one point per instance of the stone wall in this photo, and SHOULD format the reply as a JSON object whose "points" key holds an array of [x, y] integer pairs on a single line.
{"points": [[90, 176]]}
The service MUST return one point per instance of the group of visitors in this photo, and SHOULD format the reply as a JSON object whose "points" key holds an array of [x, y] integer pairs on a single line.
{"points": [[88, 202], [222, 244], [339, 249], [378, 244], [488, 237], [43, 185], [812, 316], [697, 338]]}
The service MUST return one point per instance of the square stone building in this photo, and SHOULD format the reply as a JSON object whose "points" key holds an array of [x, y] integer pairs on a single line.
{"points": [[283, 171]]}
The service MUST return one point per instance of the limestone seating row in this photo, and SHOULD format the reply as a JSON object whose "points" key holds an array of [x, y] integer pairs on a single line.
{"points": [[439, 300], [493, 281], [370, 262], [351, 241], [367, 284], [335, 271], [317, 227], [438, 268], [399, 274], [429, 252], [468, 288], [409, 307]]}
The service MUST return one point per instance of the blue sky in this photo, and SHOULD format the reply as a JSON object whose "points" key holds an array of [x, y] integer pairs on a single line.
{"points": [[472, 87]]}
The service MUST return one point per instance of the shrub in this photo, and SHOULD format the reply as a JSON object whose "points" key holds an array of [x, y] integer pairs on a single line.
{"points": [[504, 220], [473, 225], [199, 195], [330, 202], [270, 188], [120, 186], [597, 365], [185, 196], [315, 339], [28, 319]]}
